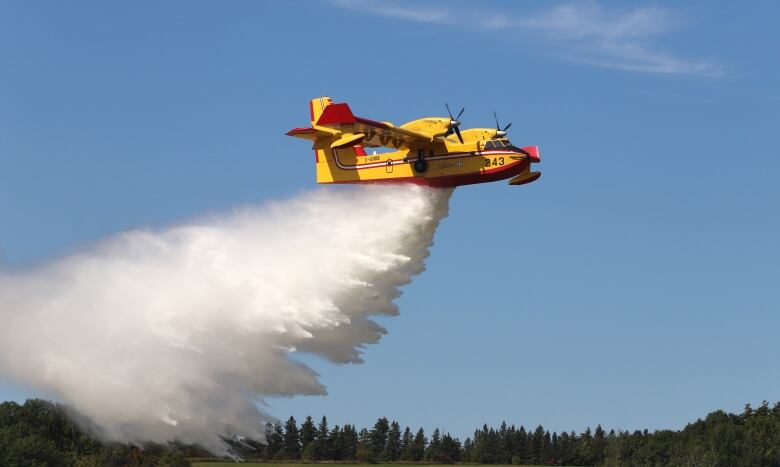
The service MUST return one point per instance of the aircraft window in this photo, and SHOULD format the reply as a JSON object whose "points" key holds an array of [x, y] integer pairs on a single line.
{"points": [[490, 145], [499, 143]]}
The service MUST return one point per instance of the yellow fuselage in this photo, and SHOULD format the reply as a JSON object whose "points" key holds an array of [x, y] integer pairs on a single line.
{"points": [[448, 163], [423, 151]]}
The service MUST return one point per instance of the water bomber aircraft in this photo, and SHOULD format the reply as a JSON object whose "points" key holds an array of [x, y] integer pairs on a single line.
{"points": [[429, 151]]}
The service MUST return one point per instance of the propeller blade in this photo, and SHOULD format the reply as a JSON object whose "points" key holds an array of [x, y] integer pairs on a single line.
{"points": [[507, 127], [498, 127], [448, 111], [460, 113], [457, 132]]}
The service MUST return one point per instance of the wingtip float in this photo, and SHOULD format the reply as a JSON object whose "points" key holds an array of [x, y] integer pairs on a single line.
{"points": [[425, 151]]}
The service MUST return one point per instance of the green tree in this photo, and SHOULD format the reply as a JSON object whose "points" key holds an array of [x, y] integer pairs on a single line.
{"points": [[336, 444], [417, 450], [274, 440], [520, 446], [350, 442], [599, 445], [486, 447], [468, 450], [406, 445], [290, 440], [378, 438], [172, 459], [29, 450], [434, 447], [307, 432], [450, 449], [322, 448], [392, 450], [537, 445]]}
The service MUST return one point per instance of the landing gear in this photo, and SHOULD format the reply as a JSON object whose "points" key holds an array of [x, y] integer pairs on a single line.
{"points": [[420, 165]]}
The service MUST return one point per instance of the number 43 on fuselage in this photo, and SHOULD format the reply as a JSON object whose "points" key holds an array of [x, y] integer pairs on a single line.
{"points": [[429, 151]]}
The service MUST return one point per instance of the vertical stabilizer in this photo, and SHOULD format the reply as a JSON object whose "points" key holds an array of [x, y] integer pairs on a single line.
{"points": [[329, 159], [316, 106]]}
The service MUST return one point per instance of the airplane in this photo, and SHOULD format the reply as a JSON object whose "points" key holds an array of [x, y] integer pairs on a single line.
{"points": [[425, 151]]}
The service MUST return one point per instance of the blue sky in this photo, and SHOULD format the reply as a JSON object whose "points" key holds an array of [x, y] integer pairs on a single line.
{"points": [[633, 285]]}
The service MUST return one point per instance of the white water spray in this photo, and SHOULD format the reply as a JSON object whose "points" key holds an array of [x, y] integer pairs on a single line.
{"points": [[176, 334]]}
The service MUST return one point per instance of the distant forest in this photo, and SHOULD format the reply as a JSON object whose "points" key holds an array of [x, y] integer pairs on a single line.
{"points": [[40, 433]]}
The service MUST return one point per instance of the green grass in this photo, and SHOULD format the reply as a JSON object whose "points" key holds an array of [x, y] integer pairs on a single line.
{"points": [[328, 464]]}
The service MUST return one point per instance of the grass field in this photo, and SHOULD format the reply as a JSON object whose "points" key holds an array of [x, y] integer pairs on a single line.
{"points": [[268, 464]]}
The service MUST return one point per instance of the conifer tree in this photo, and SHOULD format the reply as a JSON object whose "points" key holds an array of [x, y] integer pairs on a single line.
{"points": [[537, 445], [418, 446], [273, 439], [321, 442], [520, 452], [450, 449], [599, 445], [406, 444], [364, 452], [546, 446], [434, 447], [336, 444], [378, 437], [291, 442], [349, 442], [504, 443], [392, 450], [307, 433], [585, 447], [468, 450]]}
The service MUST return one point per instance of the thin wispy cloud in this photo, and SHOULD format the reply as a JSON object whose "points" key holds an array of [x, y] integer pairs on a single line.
{"points": [[582, 32]]}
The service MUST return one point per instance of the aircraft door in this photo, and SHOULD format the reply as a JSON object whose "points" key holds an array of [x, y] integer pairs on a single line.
{"points": [[389, 166]]}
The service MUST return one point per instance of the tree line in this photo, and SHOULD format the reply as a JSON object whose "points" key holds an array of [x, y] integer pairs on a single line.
{"points": [[721, 439], [42, 433], [385, 442]]}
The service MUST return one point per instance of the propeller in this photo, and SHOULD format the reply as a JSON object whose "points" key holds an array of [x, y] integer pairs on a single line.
{"points": [[499, 132], [454, 123]]}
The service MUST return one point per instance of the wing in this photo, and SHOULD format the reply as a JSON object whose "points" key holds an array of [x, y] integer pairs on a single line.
{"points": [[340, 128]]}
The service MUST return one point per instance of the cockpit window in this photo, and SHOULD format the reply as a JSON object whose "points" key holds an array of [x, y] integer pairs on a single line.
{"points": [[498, 144]]}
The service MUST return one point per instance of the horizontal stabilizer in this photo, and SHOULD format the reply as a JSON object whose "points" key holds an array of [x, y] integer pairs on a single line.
{"points": [[305, 133]]}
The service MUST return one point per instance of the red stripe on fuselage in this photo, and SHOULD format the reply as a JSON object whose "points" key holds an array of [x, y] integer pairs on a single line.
{"points": [[446, 156], [491, 175]]}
